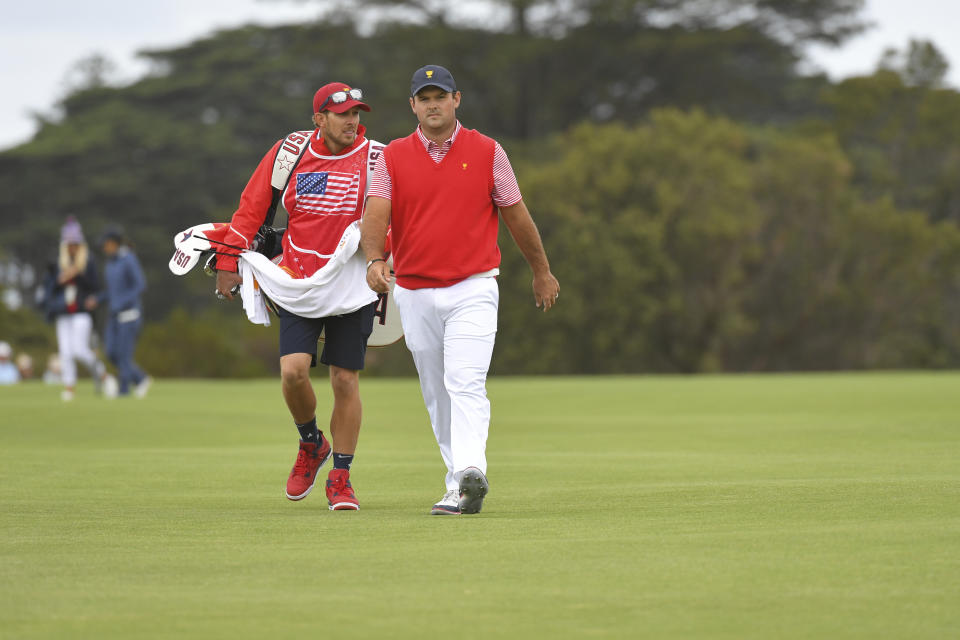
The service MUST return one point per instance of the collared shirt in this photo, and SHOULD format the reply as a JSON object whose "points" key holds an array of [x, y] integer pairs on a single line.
{"points": [[506, 191], [438, 151]]}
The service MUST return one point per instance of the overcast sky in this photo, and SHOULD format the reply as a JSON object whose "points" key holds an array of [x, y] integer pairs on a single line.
{"points": [[41, 40]]}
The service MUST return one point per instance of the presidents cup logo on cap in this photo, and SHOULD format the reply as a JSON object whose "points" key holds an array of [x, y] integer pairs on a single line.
{"points": [[432, 76]]}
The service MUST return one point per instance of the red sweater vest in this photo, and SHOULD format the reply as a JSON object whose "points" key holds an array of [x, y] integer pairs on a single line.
{"points": [[443, 221]]}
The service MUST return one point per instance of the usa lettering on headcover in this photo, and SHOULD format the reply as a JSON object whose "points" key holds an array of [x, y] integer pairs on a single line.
{"points": [[181, 258]]}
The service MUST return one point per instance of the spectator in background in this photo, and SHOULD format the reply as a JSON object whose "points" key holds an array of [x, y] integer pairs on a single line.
{"points": [[125, 285], [70, 297], [8, 371], [52, 375], [24, 365]]}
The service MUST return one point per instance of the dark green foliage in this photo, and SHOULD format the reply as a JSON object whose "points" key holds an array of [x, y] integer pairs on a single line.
{"points": [[210, 344], [703, 245], [904, 140], [26, 332]]}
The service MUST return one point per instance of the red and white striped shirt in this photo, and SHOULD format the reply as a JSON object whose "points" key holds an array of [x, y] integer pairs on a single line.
{"points": [[506, 191]]}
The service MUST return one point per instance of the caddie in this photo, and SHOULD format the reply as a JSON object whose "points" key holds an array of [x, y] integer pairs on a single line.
{"points": [[327, 171], [442, 191]]}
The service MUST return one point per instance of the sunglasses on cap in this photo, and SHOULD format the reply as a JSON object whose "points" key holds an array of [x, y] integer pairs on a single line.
{"points": [[339, 97]]}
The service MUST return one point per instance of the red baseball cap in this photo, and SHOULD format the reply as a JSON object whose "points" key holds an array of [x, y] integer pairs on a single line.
{"points": [[338, 97]]}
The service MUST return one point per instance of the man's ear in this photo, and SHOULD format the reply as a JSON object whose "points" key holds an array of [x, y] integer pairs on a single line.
{"points": [[318, 120], [456, 100], [411, 106]]}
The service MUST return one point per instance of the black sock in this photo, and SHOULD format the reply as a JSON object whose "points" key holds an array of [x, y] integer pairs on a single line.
{"points": [[342, 460], [308, 431]]}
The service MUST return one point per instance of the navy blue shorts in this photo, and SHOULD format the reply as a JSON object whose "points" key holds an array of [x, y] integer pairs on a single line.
{"points": [[345, 337]]}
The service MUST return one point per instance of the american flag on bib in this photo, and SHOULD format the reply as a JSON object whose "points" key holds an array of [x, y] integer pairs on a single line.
{"points": [[329, 193]]}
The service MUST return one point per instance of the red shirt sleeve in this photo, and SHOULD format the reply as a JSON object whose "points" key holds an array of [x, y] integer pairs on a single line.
{"points": [[252, 212]]}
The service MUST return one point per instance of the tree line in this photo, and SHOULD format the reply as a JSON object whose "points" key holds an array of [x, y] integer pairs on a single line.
{"points": [[707, 205]]}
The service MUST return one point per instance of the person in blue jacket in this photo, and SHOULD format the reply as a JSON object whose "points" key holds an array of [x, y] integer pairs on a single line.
{"points": [[125, 285]]}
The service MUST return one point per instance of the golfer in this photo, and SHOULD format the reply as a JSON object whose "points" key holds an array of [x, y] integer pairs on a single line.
{"points": [[440, 190]]}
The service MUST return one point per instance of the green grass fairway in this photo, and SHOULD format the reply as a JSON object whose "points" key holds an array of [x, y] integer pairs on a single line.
{"points": [[782, 506]]}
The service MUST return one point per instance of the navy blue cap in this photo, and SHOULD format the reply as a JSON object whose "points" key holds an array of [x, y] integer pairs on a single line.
{"points": [[112, 232], [432, 75]]}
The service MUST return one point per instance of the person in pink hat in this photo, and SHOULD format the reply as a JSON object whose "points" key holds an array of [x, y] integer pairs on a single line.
{"points": [[320, 177], [70, 298]]}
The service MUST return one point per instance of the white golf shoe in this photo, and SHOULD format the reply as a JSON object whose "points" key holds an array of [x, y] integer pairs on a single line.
{"points": [[449, 504]]}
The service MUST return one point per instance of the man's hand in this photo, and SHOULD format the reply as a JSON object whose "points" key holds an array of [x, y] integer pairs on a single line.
{"points": [[373, 236], [546, 290], [227, 281], [378, 277]]}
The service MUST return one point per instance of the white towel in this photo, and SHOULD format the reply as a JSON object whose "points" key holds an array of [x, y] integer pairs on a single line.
{"points": [[251, 296], [339, 287]]}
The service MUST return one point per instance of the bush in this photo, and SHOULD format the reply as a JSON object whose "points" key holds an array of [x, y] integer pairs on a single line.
{"points": [[209, 344]]}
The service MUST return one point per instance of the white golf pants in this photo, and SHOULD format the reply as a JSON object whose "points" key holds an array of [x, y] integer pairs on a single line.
{"points": [[73, 342], [450, 331]]}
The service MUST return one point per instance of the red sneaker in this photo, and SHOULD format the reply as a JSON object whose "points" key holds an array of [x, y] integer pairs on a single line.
{"points": [[304, 473], [340, 494]]}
